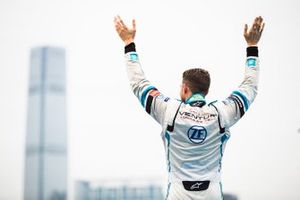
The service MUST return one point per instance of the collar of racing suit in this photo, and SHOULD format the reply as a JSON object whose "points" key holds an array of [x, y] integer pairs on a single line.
{"points": [[196, 98]]}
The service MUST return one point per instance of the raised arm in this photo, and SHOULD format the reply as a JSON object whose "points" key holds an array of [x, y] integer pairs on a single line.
{"points": [[234, 107], [151, 99]]}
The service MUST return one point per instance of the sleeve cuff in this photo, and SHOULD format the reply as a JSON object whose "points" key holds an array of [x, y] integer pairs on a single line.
{"points": [[130, 47], [252, 51]]}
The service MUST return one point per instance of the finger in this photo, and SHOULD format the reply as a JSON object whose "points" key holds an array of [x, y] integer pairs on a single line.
{"points": [[253, 24], [118, 17], [120, 25], [115, 20], [133, 24], [253, 27], [256, 27], [118, 20], [262, 28], [245, 29], [118, 28], [258, 23], [260, 20], [256, 20], [117, 25], [121, 21], [261, 24]]}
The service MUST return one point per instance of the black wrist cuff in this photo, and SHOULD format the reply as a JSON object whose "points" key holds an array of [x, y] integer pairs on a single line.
{"points": [[130, 47], [252, 51]]}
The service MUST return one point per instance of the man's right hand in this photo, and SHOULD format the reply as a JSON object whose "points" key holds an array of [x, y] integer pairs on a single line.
{"points": [[252, 36], [126, 34]]}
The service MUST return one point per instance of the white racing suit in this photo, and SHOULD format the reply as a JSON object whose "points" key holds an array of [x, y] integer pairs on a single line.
{"points": [[194, 133]]}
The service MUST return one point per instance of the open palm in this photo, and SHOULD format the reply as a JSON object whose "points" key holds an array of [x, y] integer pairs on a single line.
{"points": [[252, 36], [125, 33]]}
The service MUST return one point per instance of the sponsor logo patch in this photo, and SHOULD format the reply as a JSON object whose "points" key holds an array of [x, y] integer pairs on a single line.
{"points": [[251, 62], [197, 134], [196, 185], [166, 99], [133, 57], [196, 117]]}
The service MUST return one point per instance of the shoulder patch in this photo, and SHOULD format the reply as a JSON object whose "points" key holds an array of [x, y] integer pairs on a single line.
{"points": [[133, 56], [251, 62]]}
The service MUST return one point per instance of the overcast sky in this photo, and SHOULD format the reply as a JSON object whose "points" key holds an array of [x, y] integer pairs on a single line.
{"points": [[109, 133]]}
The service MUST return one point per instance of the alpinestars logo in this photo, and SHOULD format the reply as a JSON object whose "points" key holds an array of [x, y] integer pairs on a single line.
{"points": [[196, 186]]}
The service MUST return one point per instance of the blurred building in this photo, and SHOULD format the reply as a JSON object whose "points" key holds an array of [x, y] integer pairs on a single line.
{"points": [[46, 137], [230, 197], [118, 190], [82, 190], [125, 190]]}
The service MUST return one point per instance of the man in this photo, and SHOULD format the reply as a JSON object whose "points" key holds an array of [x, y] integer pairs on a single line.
{"points": [[194, 133]]}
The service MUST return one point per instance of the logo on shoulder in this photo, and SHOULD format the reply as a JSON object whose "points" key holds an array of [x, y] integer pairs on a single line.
{"points": [[133, 57], [197, 134], [251, 62], [166, 99]]}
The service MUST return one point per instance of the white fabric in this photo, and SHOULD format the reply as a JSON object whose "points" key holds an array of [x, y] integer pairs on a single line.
{"points": [[194, 148]]}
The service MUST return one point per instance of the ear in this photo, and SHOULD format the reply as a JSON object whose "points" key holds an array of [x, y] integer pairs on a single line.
{"points": [[183, 88], [186, 89]]}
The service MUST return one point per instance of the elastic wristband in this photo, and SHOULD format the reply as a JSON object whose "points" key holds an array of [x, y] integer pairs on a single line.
{"points": [[252, 51], [130, 47]]}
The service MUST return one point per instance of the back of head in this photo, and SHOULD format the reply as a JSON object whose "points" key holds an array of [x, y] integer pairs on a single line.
{"points": [[197, 79]]}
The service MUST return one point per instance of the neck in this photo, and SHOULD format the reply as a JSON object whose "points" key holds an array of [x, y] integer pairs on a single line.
{"points": [[195, 97]]}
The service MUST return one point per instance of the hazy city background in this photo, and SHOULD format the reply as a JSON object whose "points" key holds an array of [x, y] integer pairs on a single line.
{"points": [[109, 135]]}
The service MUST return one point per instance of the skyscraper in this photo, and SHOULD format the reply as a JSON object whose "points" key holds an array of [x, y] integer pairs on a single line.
{"points": [[46, 137]]}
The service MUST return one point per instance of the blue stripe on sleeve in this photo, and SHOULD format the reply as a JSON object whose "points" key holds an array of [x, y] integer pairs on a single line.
{"points": [[243, 97], [144, 94]]}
